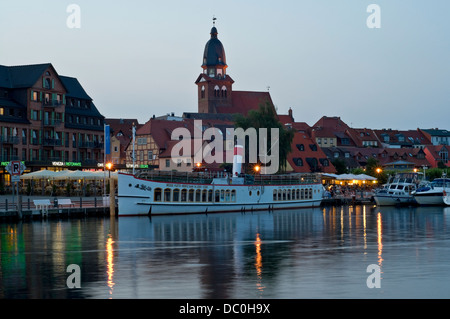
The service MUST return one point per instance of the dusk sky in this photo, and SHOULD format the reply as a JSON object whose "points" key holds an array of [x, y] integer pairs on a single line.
{"points": [[319, 57]]}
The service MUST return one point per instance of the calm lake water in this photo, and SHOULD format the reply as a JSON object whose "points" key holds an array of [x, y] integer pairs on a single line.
{"points": [[308, 253]]}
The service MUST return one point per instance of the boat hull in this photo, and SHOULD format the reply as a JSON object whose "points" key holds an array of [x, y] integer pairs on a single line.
{"points": [[393, 200], [137, 197], [429, 198]]}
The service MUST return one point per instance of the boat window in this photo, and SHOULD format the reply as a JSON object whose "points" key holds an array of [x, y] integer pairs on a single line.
{"points": [[250, 193], [288, 194], [210, 195], [198, 194], [279, 194], [183, 195], [204, 195], [222, 195], [167, 192], [233, 195], [157, 195], [191, 195], [400, 187], [217, 196], [284, 194], [275, 194], [227, 195], [176, 195], [298, 194]]}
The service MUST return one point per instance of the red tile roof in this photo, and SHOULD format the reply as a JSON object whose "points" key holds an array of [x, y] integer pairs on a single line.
{"points": [[306, 154], [244, 101]]}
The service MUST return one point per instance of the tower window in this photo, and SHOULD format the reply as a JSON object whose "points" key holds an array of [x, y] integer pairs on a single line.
{"points": [[224, 91], [202, 94], [216, 91]]}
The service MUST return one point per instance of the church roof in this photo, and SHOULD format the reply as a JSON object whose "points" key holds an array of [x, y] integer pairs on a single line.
{"points": [[245, 101]]}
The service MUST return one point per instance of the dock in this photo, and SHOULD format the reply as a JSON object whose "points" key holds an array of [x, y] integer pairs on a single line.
{"points": [[38, 207]]}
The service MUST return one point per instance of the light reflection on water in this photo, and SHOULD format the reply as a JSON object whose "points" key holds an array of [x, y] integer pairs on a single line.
{"points": [[309, 253]]}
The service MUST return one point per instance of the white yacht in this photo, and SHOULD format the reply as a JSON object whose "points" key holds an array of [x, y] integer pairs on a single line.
{"points": [[433, 193], [398, 191]]}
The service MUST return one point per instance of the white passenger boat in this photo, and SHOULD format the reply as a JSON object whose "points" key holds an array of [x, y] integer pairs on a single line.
{"points": [[432, 193], [157, 193], [399, 191]]}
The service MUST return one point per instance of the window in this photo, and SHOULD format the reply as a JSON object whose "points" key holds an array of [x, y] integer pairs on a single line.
{"points": [[444, 156], [217, 196], [198, 194], [183, 195], [2, 111], [210, 195], [167, 193], [157, 195], [47, 83], [167, 162], [223, 92], [176, 195], [216, 91], [203, 92], [300, 147], [191, 195], [298, 161], [233, 195], [150, 155]]}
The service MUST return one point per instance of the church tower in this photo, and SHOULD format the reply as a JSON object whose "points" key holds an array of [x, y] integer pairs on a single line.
{"points": [[214, 85]]}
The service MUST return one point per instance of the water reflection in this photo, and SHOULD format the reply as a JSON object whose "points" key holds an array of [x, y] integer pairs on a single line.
{"points": [[309, 253], [380, 241], [258, 263]]}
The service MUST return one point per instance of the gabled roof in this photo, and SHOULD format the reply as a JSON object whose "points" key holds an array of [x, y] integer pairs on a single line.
{"points": [[74, 88], [21, 76], [161, 130]]}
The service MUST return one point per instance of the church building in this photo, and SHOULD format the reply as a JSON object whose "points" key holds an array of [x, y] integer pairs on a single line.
{"points": [[215, 86]]}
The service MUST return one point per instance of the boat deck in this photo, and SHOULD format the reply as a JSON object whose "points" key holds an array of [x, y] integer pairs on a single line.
{"points": [[207, 178]]}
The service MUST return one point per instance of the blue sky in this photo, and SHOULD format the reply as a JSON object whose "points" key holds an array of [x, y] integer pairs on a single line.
{"points": [[139, 58]]}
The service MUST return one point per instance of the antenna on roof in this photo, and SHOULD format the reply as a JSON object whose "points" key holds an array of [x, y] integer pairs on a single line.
{"points": [[268, 88]]}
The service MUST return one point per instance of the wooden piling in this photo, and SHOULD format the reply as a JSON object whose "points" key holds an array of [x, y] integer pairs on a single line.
{"points": [[112, 197]]}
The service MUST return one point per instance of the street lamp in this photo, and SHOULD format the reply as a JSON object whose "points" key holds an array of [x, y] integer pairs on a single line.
{"points": [[379, 170]]}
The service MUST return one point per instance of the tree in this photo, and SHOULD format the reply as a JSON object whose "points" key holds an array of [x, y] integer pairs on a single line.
{"points": [[340, 166], [265, 117]]}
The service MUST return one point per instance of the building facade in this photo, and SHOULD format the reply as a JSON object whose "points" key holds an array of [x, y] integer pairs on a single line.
{"points": [[47, 121]]}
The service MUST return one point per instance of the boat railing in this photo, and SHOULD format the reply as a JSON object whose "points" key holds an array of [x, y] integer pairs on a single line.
{"points": [[207, 178]]}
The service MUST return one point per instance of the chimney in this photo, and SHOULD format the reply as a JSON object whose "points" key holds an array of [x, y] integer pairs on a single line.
{"points": [[237, 160]]}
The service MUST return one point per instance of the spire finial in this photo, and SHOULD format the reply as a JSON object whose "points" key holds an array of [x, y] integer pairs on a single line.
{"points": [[214, 20]]}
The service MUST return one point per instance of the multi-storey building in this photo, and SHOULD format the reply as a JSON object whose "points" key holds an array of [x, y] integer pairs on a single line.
{"points": [[47, 120]]}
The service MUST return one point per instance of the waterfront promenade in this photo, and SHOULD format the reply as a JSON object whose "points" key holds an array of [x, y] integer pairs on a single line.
{"points": [[38, 206]]}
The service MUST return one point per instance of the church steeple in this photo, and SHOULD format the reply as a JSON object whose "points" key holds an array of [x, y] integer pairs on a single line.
{"points": [[214, 85]]}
